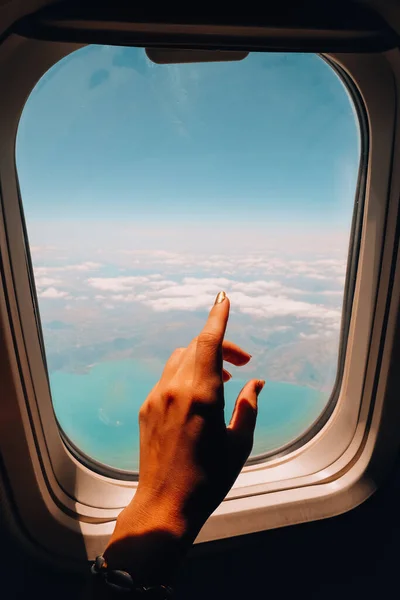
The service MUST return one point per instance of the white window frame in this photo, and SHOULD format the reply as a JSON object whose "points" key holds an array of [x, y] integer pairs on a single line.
{"points": [[331, 473]]}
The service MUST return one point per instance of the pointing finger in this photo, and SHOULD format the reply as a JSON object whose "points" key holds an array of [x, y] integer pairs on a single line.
{"points": [[208, 360]]}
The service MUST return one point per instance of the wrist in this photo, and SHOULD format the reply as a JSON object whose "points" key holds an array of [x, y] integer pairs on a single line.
{"points": [[147, 513], [150, 541]]}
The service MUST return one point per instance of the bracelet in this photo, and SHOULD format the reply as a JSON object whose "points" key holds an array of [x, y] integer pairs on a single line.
{"points": [[122, 582]]}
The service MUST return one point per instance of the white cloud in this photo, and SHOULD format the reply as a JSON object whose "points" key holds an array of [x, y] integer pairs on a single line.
{"points": [[315, 275], [46, 281], [126, 297], [322, 269], [279, 328], [309, 336], [37, 251], [200, 295], [189, 290], [331, 293], [261, 298], [330, 262], [233, 263], [320, 334], [212, 281], [52, 293], [195, 302], [257, 284], [161, 284], [84, 266], [116, 284], [280, 306], [256, 287]]}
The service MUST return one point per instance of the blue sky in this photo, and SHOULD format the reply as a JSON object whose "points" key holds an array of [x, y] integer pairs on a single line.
{"points": [[149, 187], [271, 141]]}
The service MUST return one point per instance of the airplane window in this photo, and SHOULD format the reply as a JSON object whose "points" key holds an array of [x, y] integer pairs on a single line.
{"points": [[147, 188]]}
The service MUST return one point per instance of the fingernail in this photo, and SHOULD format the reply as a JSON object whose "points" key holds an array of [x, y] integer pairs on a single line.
{"points": [[220, 298], [259, 385]]}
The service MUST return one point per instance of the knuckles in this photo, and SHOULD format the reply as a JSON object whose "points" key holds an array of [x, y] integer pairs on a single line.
{"points": [[176, 353], [171, 392], [187, 392], [144, 411], [208, 392], [208, 339]]}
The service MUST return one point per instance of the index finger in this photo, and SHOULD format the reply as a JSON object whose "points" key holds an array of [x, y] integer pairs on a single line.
{"points": [[209, 343]]}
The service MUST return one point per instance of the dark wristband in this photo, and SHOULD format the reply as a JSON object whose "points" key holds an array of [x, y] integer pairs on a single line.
{"points": [[120, 583]]}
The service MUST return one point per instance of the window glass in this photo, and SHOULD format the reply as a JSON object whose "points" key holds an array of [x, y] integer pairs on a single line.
{"points": [[147, 189]]}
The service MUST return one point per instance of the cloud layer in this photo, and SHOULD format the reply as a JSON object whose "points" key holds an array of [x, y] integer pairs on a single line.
{"points": [[260, 286]]}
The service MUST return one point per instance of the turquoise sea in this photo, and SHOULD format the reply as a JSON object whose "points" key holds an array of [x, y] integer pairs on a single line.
{"points": [[98, 410]]}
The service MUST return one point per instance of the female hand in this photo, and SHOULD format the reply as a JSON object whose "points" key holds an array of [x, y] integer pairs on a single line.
{"points": [[189, 458]]}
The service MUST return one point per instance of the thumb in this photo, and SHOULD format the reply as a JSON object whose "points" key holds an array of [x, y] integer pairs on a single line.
{"points": [[244, 417]]}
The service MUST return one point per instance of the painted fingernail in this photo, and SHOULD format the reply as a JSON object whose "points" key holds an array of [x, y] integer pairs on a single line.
{"points": [[220, 298], [259, 385]]}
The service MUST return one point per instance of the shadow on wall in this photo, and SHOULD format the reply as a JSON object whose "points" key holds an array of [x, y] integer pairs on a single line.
{"points": [[355, 555]]}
